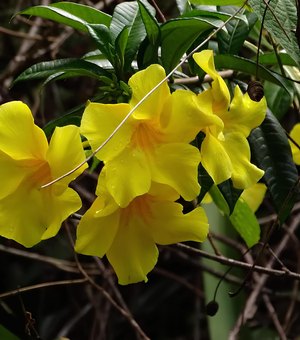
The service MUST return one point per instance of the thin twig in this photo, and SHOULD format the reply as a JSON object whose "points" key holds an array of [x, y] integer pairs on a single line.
{"points": [[236, 263], [122, 311], [274, 317], [42, 285]]}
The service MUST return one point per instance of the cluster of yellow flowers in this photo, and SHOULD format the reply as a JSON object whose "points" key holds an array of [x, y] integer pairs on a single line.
{"points": [[148, 164]]}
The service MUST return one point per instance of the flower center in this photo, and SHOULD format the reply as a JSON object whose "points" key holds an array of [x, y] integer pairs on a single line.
{"points": [[146, 136], [138, 208], [41, 173]]}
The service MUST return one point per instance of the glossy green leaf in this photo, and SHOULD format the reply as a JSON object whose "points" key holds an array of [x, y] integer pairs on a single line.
{"points": [[148, 49], [218, 2], [184, 6], [230, 194], [272, 153], [232, 39], [210, 13], [45, 69], [219, 200], [242, 218], [150, 22], [120, 46], [103, 38], [281, 22], [70, 14], [278, 100], [179, 34], [127, 14], [271, 59], [245, 223], [205, 181], [244, 65]]}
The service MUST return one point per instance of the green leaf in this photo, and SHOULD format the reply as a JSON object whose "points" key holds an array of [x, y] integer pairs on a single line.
{"points": [[205, 181], [150, 22], [219, 200], [183, 6], [120, 46], [271, 59], [278, 101], [45, 69], [127, 14], [70, 14], [179, 34], [7, 335], [245, 223], [232, 39], [218, 2], [272, 153], [236, 63], [230, 194], [210, 13], [281, 22], [103, 38], [242, 218]]}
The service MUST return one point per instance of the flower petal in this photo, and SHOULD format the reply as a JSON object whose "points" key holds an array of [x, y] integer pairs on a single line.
{"points": [[99, 121], [128, 175], [254, 195], [244, 173], [187, 114], [133, 253], [176, 165], [172, 226], [244, 114], [141, 84], [215, 159], [219, 90], [19, 136], [12, 173], [58, 208], [295, 134], [97, 228], [22, 216], [65, 153]]}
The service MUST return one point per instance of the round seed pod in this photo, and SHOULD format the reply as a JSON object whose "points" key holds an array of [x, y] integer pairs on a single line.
{"points": [[255, 90], [212, 308]]}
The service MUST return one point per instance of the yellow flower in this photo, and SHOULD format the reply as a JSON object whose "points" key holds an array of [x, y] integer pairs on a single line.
{"points": [[28, 213], [295, 134], [254, 195], [151, 145], [128, 236], [225, 152]]}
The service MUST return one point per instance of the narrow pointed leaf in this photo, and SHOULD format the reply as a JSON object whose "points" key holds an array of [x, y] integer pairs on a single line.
{"points": [[242, 218], [150, 22], [47, 68], [179, 34], [272, 153], [245, 223], [230, 194], [127, 14], [205, 181], [218, 2], [70, 14], [236, 63]]}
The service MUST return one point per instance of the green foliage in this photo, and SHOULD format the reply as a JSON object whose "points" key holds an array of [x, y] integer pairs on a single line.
{"points": [[179, 34], [281, 21], [70, 14], [242, 217]]}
